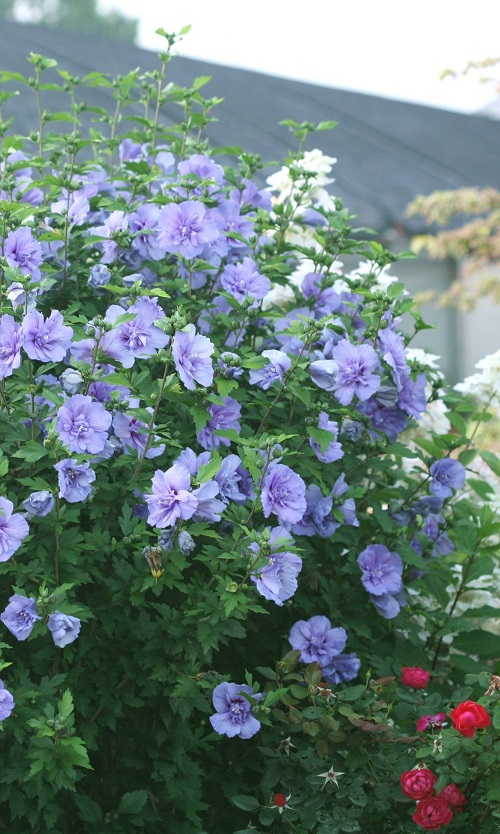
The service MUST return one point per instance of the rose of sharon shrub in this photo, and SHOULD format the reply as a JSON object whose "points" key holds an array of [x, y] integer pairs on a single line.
{"points": [[220, 462]]}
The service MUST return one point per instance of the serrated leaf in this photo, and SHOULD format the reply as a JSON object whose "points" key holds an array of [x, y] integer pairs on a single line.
{"points": [[31, 452], [132, 803]]}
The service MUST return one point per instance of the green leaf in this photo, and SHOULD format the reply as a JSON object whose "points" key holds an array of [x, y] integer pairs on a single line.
{"points": [[31, 452], [352, 693], [322, 437], [208, 470], [201, 417], [246, 803], [132, 803], [493, 461], [480, 643]]}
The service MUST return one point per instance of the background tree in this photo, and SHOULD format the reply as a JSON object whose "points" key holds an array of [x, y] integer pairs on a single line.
{"points": [[80, 16], [471, 221]]}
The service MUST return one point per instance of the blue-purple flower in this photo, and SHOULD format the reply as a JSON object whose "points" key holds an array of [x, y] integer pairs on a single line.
{"points": [[64, 628], [6, 702], [223, 416], [317, 519], [20, 616], [22, 250], [11, 339], [446, 475], [316, 640], [244, 279], [412, 396], [284, 494], [46, 339], [133, 434], [39, 503], [234, 716], [185, 229], [274, 371], [13, 529], [394, 353], [114, 225], [276, 579], [382, 570], [75, 480], [334, 449], [209, 506], [143, 225], [135, 339], [342, 668], [355, 375], [191, 353], [171, 497], [388, 605], [233, 480], [83, 424]]}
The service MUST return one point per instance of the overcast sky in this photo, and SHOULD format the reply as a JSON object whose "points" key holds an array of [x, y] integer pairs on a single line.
{"points": [[390, 48]]}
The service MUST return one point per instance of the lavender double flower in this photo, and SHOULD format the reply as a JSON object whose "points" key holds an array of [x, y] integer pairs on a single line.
{"points": [[75, 480], [334, 449], [283, 494], [191, 353], [171, 497], [316, 640], [274, 371], [20, 616], [47, 340], [11, 339], [277, 579], [83, 424], [382, 570], [185, 229], [234, 716], [13, 529], [64, 628], [22, 250], [355, 375], [244, 280], [6, 702], [446, 475]]}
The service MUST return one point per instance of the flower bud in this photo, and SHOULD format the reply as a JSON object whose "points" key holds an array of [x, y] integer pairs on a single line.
{"points": [[186, 542], [72, 381]]}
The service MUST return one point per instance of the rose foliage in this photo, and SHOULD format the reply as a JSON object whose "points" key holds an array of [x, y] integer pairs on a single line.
{"points": [[242, 519]]}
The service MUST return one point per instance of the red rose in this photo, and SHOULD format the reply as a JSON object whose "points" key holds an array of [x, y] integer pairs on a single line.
{"points": [[279, 799], [418, 783], [432, 813], [415, 676], [453, 797], [468, 717]]}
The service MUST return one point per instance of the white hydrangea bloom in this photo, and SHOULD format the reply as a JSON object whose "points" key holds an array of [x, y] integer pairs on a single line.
{"points": [[421, 357], [434, 419], [485, 385], [314, 162]]}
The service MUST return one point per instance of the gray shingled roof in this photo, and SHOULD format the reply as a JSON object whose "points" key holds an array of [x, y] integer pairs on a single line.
{"points": [[388, 151]]}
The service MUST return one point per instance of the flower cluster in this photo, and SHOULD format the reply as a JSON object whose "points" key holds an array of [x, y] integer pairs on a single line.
{"points": [[21, 615], [433, 810]]}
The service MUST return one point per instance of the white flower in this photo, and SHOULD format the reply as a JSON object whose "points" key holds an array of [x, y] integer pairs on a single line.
{"points": [[422, 358], [330, 776], [313, 162], [485, 385], [434, 419]]}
